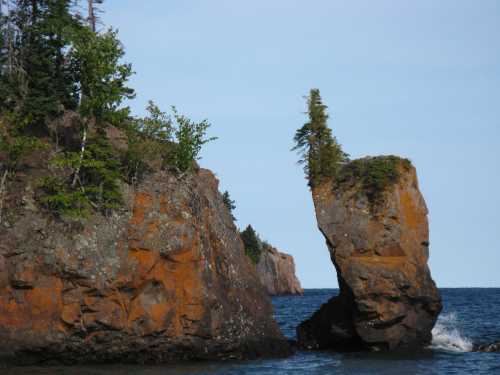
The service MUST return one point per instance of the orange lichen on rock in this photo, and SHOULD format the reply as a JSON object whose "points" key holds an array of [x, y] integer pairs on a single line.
{"points": [[379, 249], [163, 279]]}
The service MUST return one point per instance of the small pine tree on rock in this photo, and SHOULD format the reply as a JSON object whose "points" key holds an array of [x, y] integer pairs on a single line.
{"points": [[229, 203], [319, 151], [252, 243]]}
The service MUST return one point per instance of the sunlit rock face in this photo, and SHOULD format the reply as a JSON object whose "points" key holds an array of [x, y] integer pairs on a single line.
{"points": [[387, 299], [276, 271], [163, 279]]}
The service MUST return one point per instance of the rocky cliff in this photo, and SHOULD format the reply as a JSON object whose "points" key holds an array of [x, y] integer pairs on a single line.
{"points": [[164, 278], [379, 244], [277, 272]]}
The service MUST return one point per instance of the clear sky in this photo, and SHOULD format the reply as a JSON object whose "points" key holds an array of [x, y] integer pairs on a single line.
{"points": [[420, 79]]}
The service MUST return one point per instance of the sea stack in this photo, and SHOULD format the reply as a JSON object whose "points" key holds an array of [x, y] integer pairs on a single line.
{"points": [[164, 278], [374, 220], [276, 271]]}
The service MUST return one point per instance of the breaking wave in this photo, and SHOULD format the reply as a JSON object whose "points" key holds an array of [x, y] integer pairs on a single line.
{"points": [[447, 336]]}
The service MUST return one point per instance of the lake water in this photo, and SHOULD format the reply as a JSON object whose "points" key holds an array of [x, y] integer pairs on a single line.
{"points": [[469, 316]]}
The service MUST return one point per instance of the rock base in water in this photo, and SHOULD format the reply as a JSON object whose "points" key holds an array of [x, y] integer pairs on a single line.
{"points": [[163, 279], [387, 299], [488, 348]]}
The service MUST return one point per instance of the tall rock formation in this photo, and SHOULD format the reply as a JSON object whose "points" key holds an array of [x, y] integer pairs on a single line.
{"points": [[277, 272], [379, 245], [165, 278]]}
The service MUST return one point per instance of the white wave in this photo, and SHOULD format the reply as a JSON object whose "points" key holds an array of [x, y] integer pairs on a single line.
{"points": [[447, 336]]}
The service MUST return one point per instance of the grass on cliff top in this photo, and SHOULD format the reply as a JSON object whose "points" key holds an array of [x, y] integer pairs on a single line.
{"points": [[374, 174]]}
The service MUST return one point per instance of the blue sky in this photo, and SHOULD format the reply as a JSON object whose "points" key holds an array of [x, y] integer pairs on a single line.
{"points": [[420, 79]]}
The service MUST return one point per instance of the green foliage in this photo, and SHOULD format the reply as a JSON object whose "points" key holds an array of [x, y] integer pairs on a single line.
{"points": [[158, 141], [98, 181], [59, 198], [375, 174], [52, 61], [319, 151], [102, 78], [35, 79], [16, 147], [190, 137], [252, 243], [157, 125], [149, 144], [229, 203]]}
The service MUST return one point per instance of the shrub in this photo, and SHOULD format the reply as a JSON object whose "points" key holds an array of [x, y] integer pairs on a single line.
{"points": [[16, 147], [61, 200], [375, 174], [190, 137], [97, 181]]}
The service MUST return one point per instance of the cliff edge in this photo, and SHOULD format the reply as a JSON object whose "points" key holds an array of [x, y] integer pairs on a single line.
{"points": [[163, 278], [276, 271], [374, 220]]}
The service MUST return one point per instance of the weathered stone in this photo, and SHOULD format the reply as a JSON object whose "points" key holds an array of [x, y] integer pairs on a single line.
{"points": [[488, 348], [276, 271], [163, 279], [387, 297], [116, 138]]}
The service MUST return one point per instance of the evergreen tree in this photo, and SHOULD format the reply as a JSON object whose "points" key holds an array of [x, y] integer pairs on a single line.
{"points": [[229, 203], [53, 60], [252, 243], [37, 85], [319, 150]]}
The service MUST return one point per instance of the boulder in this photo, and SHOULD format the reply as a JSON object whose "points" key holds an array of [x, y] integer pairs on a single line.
{"points": [[163, 279], [276, 271], [380, 250], [488, 348]]}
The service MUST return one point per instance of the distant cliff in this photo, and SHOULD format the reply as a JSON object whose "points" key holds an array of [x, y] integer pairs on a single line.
{"points": [[277, 272]]}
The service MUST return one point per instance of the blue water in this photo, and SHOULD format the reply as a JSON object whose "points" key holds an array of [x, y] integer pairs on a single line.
{"points": [[469, 316]]}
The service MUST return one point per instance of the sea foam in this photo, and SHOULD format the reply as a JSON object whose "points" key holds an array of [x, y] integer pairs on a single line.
{"points": [[446, 335]]}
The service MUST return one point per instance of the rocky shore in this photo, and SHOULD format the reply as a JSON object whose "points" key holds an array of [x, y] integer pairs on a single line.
{"points": [[164, 278]]}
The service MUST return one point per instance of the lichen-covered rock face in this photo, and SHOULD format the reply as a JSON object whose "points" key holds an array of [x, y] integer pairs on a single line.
{"points": [[387, 298], [276, 271], [163, 279]]}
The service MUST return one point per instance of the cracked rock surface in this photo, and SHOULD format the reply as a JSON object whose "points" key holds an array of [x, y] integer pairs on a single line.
{"points": [[387, 298], [163, 279]]}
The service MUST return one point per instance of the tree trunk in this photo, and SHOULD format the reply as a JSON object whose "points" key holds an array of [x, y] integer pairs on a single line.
{"points": [[92, 18], [82, 152]]}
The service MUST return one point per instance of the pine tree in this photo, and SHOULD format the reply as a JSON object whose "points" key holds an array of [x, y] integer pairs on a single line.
{"points": [[229, 203], [319, 151], [252, 243], [37, 83]]}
